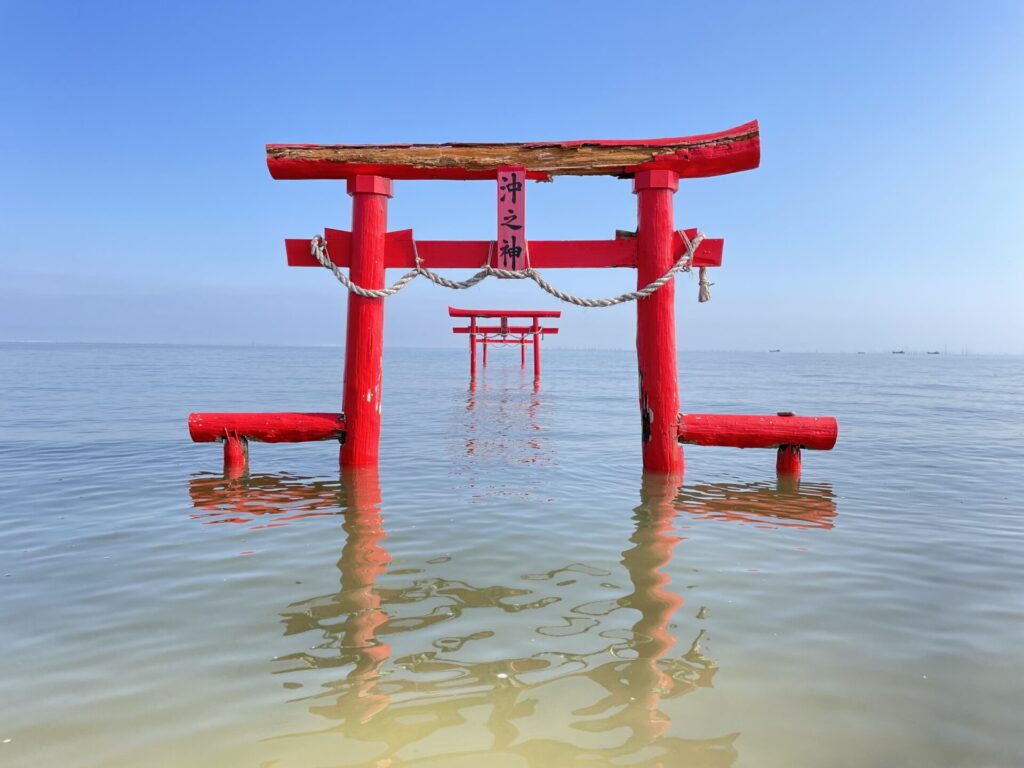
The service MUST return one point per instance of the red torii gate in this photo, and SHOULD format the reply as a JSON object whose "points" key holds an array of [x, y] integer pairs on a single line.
{"points": [[503, 333], [655, 167]]}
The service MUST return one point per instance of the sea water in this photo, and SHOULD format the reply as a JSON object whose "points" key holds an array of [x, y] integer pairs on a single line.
{"points": [[508, 589]]}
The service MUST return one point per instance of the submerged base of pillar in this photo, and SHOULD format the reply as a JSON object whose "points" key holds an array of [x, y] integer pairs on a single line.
{"points": [[787, 461], [236, 455]]}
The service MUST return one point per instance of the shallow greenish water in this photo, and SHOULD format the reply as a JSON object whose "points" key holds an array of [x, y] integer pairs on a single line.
{"points": [[509, 590]]}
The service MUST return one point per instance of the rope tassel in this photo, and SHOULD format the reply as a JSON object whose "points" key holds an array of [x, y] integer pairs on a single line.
{"points": [[704, 291]]}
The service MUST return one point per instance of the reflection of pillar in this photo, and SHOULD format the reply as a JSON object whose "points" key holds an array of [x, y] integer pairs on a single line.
{"points": [[653, 542], [363, 560]]}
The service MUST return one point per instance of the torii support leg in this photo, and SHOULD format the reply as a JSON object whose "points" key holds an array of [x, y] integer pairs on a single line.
{"points": [[787, 462], [656, 323], [522, 351], [236, 454], [536, 349], [364, 335], [485, 351], [472, 349]]}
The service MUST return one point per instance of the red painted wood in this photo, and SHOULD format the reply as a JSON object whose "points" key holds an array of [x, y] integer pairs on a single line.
{"points": [[266, 427], [708, 252], [747, 431], [712, 154], [505, 340], [655, 323], [511, 199], [284, 169], [471, 254], [364, 335], [472, 347], [236, 455], [456, 312], [538, 333], [496, 329], [787, 461], [503, 333]]}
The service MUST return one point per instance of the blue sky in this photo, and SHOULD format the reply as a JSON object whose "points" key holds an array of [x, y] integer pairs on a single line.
{"points": [[888, 212]]}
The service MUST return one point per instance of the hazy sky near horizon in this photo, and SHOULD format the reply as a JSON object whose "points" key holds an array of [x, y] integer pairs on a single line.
{"points": [[888, 211]]}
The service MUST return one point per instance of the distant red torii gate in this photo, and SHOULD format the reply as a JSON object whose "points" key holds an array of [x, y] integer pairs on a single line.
{"points": [[655, 167], [503, 333]]}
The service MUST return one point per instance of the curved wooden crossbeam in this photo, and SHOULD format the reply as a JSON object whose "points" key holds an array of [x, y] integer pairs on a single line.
{"points": [[711, 154]]}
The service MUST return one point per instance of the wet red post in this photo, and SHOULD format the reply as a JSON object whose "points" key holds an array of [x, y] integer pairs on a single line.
{"points": [[656, 323], [364, 334], [472, 348], [522, 351], [787, 461], [535, 328], [485, 351], [236, 454]]}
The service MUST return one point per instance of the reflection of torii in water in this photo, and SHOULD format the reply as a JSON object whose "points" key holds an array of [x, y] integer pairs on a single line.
{"points": [[473, 444], [371, 706], [403, 710]]}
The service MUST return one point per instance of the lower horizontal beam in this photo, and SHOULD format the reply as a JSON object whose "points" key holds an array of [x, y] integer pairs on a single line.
{"points": [[456, 312], [742, 431], [266, 427], [517, 329], [471, 254]]}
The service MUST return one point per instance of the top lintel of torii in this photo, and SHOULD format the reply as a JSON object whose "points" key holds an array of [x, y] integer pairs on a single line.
{"points": [[713, 154]]}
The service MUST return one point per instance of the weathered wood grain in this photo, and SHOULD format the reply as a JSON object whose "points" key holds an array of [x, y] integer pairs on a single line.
{"points": [[713, 154]]}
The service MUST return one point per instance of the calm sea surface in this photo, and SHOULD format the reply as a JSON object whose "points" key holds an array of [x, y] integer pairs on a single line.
{"points": [[509, 590]]}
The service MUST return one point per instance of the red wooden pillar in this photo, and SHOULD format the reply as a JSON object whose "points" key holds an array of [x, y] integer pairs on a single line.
{"points": [[787, 462], [472, 348], [536, 349], [656, 323], [522, 350], [236, 454], [364, 339], [485, 350]]}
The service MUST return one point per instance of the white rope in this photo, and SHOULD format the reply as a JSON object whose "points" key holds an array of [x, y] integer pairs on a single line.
{"points": [[318, 249]]}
